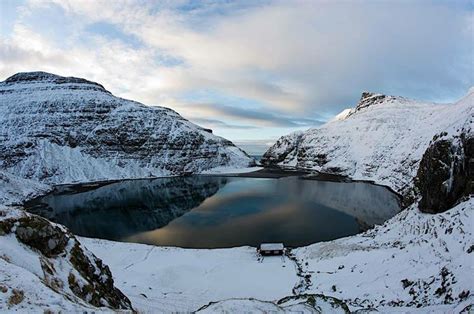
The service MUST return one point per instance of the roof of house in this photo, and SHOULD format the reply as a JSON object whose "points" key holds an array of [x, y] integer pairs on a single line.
{"points": [[271, 246]]}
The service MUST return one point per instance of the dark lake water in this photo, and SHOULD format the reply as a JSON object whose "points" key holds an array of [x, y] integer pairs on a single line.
{"points": [[210, 211]]}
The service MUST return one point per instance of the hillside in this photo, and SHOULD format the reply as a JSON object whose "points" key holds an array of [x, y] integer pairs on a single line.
{"points": [[382, 139]]}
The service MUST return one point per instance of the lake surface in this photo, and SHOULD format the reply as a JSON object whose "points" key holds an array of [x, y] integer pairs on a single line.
{"points": [[211, 211]]}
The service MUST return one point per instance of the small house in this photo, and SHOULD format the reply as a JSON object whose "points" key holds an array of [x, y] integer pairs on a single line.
{"points": [[271, 249]]}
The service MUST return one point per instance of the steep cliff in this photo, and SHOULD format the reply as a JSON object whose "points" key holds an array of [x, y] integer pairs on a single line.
{"points": [[446, 172]]}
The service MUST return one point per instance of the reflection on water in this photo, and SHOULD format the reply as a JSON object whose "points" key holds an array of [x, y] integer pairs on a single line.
{"points": [[122, 209], [208, 212]]}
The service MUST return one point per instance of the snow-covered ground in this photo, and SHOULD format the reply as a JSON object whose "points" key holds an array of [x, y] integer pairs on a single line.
{"points": [[303, 304], [231, 170], [413, 259], [174, 279]]}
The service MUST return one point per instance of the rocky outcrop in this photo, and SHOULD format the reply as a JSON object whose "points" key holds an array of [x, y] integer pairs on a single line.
{"points": [[40, 234], [64, 129], [67, 267], [35, 77], [369, 99], [446, 172]]}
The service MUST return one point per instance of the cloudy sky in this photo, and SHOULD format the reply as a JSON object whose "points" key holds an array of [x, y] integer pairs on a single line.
{"points": [[250, 70]]}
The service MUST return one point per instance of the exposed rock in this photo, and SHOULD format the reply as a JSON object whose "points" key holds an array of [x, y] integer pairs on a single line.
{"points": [[40, 234], [99, 286], [320, 302], [446, 172], [285, 149], [39, 76], [368, 99], [16, 297], [62, 256]]}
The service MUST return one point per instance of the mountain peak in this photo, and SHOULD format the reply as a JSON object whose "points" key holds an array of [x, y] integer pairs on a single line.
{"points": [[40, 77], [368, 99], [31, 76]]}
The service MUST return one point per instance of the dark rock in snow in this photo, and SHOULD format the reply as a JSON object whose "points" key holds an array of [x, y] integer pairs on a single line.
{"points": [[61, 255], [446, 173], [40, 234]]}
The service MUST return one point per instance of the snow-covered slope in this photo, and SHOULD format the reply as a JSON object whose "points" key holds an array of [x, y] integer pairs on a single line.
{"points": [[44, 268], [63, 129], [14, 190], [170, 280], [382, 139], [308, 304], [413, 260]]}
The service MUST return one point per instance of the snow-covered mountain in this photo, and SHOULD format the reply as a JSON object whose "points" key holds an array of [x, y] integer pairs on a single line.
{"points": [[63, 129], [382, 139]]}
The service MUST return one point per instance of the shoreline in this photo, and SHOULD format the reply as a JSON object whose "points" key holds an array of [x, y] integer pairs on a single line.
{"points": [[31, 205], [264, 173]]}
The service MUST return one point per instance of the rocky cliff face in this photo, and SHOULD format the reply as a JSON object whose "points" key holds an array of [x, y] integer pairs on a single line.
{"points": [[446, 171], [64, 129], [382, 139]]}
